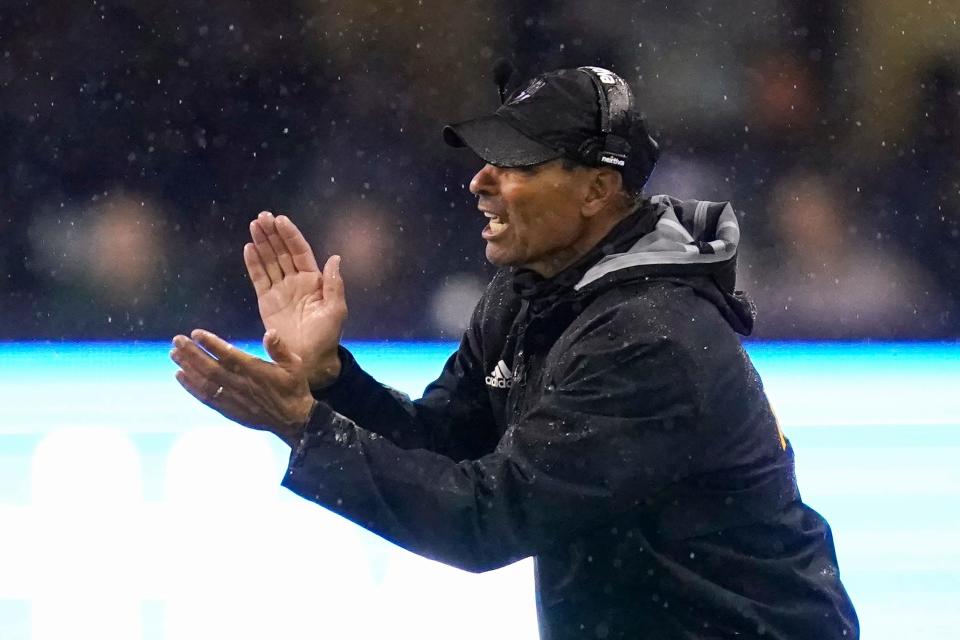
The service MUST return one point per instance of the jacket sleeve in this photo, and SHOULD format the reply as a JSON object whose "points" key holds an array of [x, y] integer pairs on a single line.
{"points": [[453, 418], [611, 431]]}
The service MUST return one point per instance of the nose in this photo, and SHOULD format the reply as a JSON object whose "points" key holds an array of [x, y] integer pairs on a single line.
{"points": [[485, 181]]}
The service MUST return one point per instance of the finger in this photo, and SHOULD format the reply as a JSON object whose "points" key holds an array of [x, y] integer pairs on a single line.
{"points": [[187, 353], [196, 361], [228, 356], [258, 275], [269, 226], [198, 387], [333, 282], [278, 350], [297, 245], [267, 255], [177, 356]]}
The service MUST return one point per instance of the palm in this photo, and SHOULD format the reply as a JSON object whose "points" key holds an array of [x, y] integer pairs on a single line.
{"points": [[295, 308], [305, 307]]}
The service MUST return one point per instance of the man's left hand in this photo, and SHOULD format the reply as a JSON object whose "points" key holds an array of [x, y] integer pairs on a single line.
{"points": [[270, 396]]}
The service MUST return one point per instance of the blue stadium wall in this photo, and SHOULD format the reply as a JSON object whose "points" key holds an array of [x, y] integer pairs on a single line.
{"points": [[128, 510]]}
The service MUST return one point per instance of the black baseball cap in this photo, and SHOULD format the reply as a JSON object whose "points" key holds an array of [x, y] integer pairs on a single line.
{"points": [[560, 114]]}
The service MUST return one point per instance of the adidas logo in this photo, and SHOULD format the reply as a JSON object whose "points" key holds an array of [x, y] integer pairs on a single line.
{"points": [[501, 377]]}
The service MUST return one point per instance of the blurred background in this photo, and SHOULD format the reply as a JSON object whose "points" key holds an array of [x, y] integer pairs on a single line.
{"points": [[140, 137]]}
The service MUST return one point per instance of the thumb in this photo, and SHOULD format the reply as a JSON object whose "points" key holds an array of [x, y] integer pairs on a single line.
{"points": [[332, 280], [279, 352]]}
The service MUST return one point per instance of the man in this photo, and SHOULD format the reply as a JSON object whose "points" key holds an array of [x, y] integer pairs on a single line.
{"points": [[599, 414]]}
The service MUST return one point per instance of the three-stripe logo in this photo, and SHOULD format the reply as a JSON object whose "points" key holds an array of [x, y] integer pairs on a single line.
{"points": [[501, 377]]}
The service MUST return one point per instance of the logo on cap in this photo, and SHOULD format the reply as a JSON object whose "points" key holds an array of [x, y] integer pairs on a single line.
{"points": [[606, 76], [531, 89]]}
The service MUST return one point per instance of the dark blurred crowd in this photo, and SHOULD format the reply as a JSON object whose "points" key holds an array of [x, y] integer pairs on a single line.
{"points": [[141, 137]]}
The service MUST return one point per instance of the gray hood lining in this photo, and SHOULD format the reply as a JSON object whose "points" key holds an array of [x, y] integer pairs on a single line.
{"points": [[681, 236]]}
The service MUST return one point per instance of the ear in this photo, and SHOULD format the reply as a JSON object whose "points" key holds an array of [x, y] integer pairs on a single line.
{"points": [[603, 191]]}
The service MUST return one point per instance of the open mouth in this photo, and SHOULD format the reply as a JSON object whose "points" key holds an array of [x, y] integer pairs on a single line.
{"points": [[495, 225]]}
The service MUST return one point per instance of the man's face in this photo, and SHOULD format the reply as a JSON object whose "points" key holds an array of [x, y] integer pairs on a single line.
{"points": [[534, 214]]}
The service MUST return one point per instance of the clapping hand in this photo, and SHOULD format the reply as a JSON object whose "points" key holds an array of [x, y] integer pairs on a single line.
{"points": [[306, 308], [270, 396], [303, 311]]}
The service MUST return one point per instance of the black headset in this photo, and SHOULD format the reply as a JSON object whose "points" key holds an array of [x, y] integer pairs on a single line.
{"points": [[616, 107]]}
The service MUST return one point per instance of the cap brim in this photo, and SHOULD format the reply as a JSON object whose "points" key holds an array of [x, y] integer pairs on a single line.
{"points": [[498, 143]]}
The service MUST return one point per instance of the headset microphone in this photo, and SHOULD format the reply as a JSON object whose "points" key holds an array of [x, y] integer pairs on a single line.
{"points": [[502, 71]]}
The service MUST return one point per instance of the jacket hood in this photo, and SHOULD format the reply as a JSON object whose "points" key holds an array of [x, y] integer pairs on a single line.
{"points": [[694, 242]]}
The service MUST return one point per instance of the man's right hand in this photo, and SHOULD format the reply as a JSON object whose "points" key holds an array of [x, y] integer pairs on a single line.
{"points": [[307, 308]]}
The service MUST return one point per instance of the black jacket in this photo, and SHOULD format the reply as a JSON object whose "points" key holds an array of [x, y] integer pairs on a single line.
{"points": [[607, 422]]}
